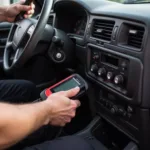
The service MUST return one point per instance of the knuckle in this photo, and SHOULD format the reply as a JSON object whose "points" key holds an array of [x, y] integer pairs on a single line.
{"points": [[69, 120], [16, 7], [74, 105], [73, 114], [63, 124]]}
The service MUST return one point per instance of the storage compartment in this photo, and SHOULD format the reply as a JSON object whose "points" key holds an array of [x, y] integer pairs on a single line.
{"points": [[103, 136], [110, 136]]}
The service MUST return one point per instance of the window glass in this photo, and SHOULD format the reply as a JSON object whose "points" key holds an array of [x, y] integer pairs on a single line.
{"points": [[13, 1]]}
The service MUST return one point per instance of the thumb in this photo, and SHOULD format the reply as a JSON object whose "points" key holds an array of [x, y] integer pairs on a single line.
{"points": [[72, 92]]}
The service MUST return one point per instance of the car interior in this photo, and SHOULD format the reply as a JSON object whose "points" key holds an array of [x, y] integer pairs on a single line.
{"points": [[105, 42]]}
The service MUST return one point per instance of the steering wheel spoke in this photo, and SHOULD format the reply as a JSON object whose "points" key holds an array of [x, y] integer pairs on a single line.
{"points": [[9, 45], [17, 55]]}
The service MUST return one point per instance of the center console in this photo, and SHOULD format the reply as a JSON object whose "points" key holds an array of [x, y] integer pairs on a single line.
{"points": [[119, 73], [117, 79]]}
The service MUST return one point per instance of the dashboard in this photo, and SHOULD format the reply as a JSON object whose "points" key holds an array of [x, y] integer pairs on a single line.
{"points": [[114, 52]]}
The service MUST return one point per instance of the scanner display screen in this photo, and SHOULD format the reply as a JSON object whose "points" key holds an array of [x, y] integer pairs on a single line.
{"points": [[70, 84]]}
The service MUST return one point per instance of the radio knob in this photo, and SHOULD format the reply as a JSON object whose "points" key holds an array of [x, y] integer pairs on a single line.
{"points": [[102, 72], [119, 79], [94, 68], [110, 75]]}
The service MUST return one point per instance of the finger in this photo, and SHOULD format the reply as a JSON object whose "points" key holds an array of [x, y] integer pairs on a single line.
{"points": [[72, 92], [32, 6], [60, 93], [67, 119], [30, 12], [26, 16], [62, 124], [75, 103], [23, 8], [72, 114]]}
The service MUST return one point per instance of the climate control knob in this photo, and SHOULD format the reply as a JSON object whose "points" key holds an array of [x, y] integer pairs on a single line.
{"points": [[119, 79], [102, 72], [110, 75], [94, 68]]}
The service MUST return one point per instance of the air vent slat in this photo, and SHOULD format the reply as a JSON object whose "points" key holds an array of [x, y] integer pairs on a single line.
{"points": [[135, 36], [134, 41], [105, 24], [102, 29], [106, 31], [98, 26], [134, 45], [101, 36]]}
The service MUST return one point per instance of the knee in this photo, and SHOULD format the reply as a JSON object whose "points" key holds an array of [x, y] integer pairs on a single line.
{"points": [[28, 84], [29, 89]]}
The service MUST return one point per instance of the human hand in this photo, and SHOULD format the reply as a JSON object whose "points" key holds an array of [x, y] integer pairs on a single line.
{"points": [[13, 10], [62, 109]]}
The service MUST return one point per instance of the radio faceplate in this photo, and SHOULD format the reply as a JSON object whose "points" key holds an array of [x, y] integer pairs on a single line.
{"points": [[110, 69], [116, 72]]}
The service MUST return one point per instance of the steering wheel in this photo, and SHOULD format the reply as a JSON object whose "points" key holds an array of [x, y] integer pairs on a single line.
{"points": [[23, 38]]}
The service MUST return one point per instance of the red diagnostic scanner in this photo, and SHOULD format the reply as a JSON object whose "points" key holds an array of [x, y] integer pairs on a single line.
{"points": [[71, 82]]}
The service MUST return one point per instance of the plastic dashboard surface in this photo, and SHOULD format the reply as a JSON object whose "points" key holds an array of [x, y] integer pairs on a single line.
{"points": [[132, 14], [136, 14]]}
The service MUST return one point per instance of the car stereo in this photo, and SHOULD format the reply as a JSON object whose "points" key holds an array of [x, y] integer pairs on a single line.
{"points": [[110, 69], [116, 72]]}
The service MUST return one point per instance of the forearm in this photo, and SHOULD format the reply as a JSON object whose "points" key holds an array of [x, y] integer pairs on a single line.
{"points": [[18, 121], [2, 14]]}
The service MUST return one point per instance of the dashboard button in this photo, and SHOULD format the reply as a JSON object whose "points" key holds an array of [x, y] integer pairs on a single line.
{"points": [[121, 112], [114, 110], [110, 75], [130, 109], [96, 57], [94, 68], [102, 72], [124, 64], [118, 79]]}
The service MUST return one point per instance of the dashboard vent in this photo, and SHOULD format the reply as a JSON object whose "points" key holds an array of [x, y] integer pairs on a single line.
{"points": [[102, 29], [135, 36], [51, 20]]}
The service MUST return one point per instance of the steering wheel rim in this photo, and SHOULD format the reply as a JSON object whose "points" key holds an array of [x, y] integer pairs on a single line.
{"points": [[33, 29]]}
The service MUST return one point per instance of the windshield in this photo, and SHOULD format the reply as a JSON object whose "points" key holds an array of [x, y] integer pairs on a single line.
{"points": [[131, 1]]}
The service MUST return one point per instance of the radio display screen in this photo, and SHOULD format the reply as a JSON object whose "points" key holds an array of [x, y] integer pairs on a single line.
{"points": [[110, 60]]}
